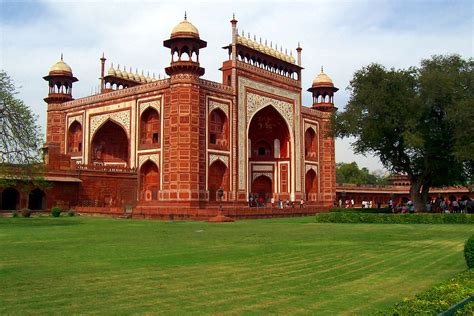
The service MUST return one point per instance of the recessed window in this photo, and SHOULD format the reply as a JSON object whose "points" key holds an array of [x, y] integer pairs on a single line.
{"points": [[213, 139]]}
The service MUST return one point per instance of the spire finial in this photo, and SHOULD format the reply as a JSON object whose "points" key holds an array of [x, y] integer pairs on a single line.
{"points": [[322, 69], [103, 55], [233, 16], [185, 16], [61, 56], [299, 45]]}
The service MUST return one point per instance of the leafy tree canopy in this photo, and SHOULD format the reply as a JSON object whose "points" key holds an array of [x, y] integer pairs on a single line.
{"points": [[350, 173], [418, 121], [20, 139]]}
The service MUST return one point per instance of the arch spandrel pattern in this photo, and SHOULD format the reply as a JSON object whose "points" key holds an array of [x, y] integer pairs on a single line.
{"points": [[152, 104], [257, 102], [311, 167], [314, 126], [266, 174], [223, 158], [71, 120], [153, 157], [218, 105], [122, 118]]}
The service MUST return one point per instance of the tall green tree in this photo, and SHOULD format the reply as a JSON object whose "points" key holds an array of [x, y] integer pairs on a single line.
{"points": [[20, 138], [351, 173], [418, 121]]}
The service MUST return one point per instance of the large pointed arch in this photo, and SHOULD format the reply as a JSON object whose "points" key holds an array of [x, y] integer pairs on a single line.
{"points": [[110, 144], [266, 125]]}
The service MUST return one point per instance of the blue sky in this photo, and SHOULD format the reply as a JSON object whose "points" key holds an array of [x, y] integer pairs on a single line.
{"points": [[341, 35]]}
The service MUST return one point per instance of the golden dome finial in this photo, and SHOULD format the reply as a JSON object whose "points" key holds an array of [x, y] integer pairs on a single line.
{"points": [[322, 69], [185, 16], [61, 56]]}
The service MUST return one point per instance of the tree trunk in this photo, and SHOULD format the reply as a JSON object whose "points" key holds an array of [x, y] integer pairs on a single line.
{"points": [[416, 195]]}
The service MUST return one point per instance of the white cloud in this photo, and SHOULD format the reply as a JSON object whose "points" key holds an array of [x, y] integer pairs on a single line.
{"points": [[341, 35]]}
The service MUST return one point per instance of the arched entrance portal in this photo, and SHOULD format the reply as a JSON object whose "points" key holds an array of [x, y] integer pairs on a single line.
{"points": [[262, 186], [270, 151], [149, 181], [37, 200], [311, 185], [110, 145], [217, 179], [10, 199]]}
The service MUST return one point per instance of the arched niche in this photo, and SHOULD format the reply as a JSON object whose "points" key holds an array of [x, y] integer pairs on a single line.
{"points": [[74, 139], [217, 178], [10, 199], [150, 129], [218, 130], [310, 144], [262, 186], [110, 145], [149, 181], [37, 200], [311, 185]]}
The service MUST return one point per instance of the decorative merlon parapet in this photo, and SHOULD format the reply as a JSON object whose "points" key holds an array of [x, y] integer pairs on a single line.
{"points": [[152, 86], [216, 86]]}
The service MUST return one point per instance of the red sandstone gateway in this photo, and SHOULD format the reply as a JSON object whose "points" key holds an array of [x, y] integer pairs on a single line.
{"points": [[163, 147]]}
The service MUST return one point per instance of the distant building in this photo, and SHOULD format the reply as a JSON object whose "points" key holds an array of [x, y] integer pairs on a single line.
{"points": [[398, 191], [168, 145]]}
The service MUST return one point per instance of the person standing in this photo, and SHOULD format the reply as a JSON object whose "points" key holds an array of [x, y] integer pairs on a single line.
{"points": [[302, 203]]}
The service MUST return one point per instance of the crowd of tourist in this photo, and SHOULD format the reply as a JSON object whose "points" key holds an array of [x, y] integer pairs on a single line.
{"points": [[439, 204], [259, 201]]}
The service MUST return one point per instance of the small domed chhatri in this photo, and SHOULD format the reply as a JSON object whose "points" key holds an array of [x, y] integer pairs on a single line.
{"points": [[60, 68], [322, 79], [185, 29]]}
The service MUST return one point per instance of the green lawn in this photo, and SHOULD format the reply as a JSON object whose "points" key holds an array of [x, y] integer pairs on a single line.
{"points": [[286, 266]]}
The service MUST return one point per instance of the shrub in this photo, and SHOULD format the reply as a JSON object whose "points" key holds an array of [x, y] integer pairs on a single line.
{"points": [[469, 252], [356, 217], [26, 212], [56, 211], [71, 213], [15, 214], [361, 210], [439, 298]]}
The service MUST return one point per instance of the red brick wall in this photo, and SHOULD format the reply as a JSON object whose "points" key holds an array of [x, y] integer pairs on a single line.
{"points": [[184, 136]]}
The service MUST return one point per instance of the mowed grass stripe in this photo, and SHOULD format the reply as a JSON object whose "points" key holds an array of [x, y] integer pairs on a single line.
{"points": [[182, 266], [304, 284], [259, 282]]}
